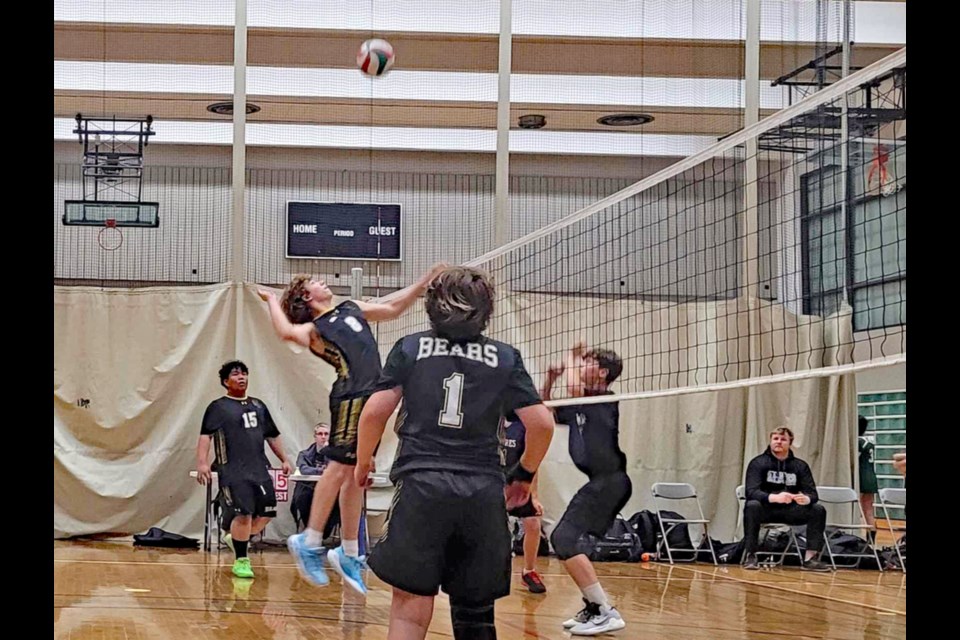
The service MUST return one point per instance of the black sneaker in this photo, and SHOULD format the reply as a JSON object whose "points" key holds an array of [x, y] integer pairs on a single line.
{"points": [[751, 562], [816, 565], [533, 582]]}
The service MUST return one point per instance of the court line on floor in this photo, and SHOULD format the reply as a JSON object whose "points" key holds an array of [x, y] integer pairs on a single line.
{"points": [[776, 586]]}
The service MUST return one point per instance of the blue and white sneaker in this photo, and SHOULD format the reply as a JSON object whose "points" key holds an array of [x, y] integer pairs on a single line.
{"points": [[350, 569], [309, 561]]}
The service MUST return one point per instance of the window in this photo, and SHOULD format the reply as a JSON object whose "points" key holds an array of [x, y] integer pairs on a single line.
{"points": [[858, 260]]}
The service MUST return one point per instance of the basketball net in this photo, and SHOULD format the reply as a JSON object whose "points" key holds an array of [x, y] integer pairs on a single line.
{"points": [[110, 237], [878, 171]]}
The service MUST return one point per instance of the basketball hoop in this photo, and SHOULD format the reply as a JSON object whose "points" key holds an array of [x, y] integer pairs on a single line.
{"points": [[110, 238]]}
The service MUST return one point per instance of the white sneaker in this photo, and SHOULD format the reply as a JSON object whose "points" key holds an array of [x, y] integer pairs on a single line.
{"points": [[589, 610], [607, 620]]}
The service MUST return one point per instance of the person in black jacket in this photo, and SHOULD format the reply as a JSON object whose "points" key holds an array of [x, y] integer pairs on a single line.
{"points": [[780, 488], [313, 459]]}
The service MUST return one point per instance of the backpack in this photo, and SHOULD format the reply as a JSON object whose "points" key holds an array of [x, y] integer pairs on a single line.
{"points": [[726, 552], [646, 524], [647, 527], [157, 537], [619, 544], [841, 542]]}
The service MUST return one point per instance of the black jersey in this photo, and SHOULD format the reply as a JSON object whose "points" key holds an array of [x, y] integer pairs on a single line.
{"points": [[239, 427], [350, 347], [454, 395], [594, 437]]}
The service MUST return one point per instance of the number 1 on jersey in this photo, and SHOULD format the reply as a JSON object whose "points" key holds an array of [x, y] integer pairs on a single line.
{"points": [[451, 415]]}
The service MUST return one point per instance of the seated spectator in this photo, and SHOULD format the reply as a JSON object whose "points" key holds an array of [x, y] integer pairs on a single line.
{"points": [[780, 488], [311, 462]]}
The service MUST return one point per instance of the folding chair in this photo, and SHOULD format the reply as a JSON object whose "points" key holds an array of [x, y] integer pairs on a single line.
{"points": [[894, 498], [847, 496], [741, 492], [679, 491]]}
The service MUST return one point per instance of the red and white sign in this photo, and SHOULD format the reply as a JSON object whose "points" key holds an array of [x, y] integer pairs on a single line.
{"points": [[280, 485]]}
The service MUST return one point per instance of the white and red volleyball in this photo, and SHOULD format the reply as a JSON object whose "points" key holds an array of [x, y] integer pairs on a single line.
{"points": [[375, 57]]}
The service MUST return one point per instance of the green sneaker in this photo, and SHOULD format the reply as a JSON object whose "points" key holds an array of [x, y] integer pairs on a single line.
{"points": [[242, 568], [228, 540]]}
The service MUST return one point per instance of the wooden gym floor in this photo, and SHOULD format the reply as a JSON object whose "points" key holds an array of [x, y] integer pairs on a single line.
{"points": [[107, 590]]}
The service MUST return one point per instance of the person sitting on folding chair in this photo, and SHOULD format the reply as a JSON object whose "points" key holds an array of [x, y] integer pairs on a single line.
{"points": [[780, 489]]}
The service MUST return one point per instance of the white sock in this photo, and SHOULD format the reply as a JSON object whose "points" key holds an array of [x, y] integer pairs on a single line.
{"points": [[351, 548], [313, 538], [594, 593]]}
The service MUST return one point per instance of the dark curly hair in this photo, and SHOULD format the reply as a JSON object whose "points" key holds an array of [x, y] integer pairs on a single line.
{"points": [[294, 306], [228, 368]]}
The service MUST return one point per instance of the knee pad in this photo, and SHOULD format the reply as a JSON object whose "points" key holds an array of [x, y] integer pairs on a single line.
{"points": [[473, 621], [564, 540]]}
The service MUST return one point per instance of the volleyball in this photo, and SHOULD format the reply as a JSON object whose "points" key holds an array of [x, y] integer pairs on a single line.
{"points": [[375, 57]]}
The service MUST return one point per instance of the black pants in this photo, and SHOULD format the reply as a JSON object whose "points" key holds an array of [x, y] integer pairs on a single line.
{"points": [[591, 510], [756, 513]]}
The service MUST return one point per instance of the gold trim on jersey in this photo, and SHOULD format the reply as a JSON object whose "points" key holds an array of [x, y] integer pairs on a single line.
{"points": [[334, 357], [401, 418], [348, 421], [393, 503], [356, 406], [220, 447]]}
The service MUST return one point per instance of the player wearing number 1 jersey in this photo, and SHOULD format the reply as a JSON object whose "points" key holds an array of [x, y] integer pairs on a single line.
{"points": [[447, 527]]}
